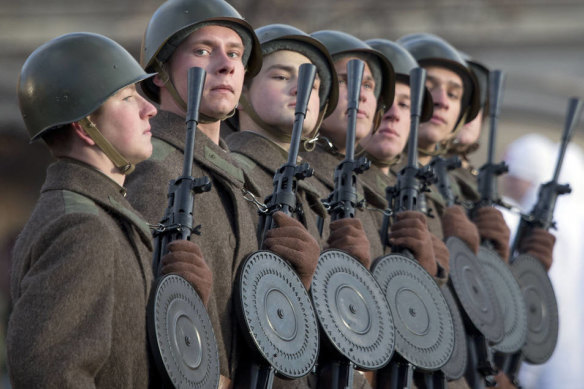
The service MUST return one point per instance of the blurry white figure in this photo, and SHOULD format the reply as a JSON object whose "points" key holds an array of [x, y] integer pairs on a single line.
{"points": [[532, 160]]}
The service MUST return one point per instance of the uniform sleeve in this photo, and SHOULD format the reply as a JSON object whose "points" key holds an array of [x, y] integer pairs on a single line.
{"points": [[59, 332]]}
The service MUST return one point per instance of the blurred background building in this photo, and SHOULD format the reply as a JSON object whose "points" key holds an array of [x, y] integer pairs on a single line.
{"points": [[538, 43]]}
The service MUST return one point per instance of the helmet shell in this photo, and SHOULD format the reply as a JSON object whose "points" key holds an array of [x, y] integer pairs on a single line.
{"points": [[403, 63], [69, 77], [431, 50], [339, 44], [174, 20]]}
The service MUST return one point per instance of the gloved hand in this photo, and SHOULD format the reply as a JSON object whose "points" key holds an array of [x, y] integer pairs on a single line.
{"points": [[348, 235], [441, 253], [293, 242], [184, 258], [539, 243], [411, 232], [503, 381], [492, 227], [456, 223]]}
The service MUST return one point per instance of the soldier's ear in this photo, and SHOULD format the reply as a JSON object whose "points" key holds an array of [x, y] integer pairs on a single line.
{"points": [[157, 80], [80, 132]]}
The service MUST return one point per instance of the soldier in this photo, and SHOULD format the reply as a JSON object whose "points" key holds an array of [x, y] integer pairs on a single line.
{"points": [[210, 34], [540, 242], [456, 102], [385, 146], [82, 274], [266, 117], [376, 94]]}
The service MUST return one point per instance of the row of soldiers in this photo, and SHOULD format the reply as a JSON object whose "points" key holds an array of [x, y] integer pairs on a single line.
{"points": [[82, 274]]}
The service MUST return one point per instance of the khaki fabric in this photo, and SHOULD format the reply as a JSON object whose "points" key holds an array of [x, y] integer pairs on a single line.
{"points": [[465, 184], [227, 228], [80, 283], [324, 163], [260, 158]]}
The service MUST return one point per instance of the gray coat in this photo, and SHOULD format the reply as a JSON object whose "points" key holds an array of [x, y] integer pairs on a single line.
{"points": [[80, 284], [227, 227]]}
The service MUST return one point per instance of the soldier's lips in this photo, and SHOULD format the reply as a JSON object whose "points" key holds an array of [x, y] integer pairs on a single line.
{"points": [[387, 132], [223, 88], [438, 120]]}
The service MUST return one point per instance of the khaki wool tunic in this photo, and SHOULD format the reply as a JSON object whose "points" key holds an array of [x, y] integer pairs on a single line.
{"points": [[80, 283], [324, 162], [260, 158], [227, 228]]}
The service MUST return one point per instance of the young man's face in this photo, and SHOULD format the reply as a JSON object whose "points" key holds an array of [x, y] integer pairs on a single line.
{"points": [[392, 135], [218, 50], [124, 121], [335, 126], [272, 92], [446, 88], [471, 131]]}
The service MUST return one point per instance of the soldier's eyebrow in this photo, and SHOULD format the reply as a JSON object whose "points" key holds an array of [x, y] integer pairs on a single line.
{"points": [[278, 66], [217, 42], [449, 83]]}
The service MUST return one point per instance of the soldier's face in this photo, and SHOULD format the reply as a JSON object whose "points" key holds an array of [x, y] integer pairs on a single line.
{"points": [[446, 88], [471, 131], [273, 91], [219, 51], [392, 135], [124, 121], [335, 126]]}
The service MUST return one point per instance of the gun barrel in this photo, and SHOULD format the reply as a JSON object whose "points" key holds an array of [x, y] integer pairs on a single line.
{"points": [[572, 117], [496, 83], [196, 83], [354, 78], [417, 83], [306, 75]]}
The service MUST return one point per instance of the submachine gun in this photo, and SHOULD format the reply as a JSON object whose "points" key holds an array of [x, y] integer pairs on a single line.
{"points": [[356, 322], [538, 292], [273, 306], [423, 323], [481, 370], [179, 329], [472, 292]]}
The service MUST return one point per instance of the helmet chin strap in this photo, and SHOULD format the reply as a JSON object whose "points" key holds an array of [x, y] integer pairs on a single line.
{"points": [[281, 135], [169, 85], [108, 149], [443, 146]]}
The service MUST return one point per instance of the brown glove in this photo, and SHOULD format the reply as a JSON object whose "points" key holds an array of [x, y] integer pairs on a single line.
{"points": [[291, 241], [456, 223], [492, 227], [411, 232], [503, 381], [441, 253], [539, 243], [348, 235], [184, 258]]}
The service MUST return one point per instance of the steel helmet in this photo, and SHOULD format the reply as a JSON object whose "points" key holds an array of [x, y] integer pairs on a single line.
{"points": [[340, 44], [69, 77], [431, 50], [403, 63], [174, 20]]}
